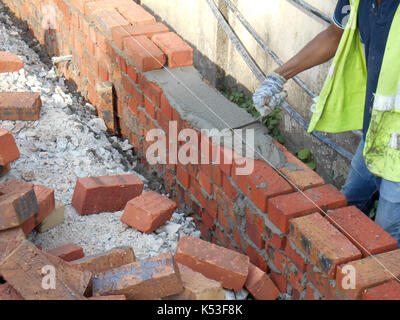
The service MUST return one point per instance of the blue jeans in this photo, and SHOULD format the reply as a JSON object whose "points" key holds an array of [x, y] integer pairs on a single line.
{"points": [[362, 185]]}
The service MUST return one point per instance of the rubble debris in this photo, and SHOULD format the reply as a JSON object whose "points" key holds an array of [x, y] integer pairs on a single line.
{"points": [[260, 286], [56, 60], [215, 262], [149, 279], [9, 151], [68, 252], [24, 106], [105, 194], [10, 62], [55, 218], [18, 203], [148, 212]]}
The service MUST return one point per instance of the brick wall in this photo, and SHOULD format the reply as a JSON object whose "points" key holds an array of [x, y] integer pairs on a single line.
{"points": [[281, 231]]}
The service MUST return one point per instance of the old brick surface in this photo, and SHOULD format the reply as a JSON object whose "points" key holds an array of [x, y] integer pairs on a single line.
{"points": [[387, 291], [20, 106], [46, 203], [9, 151], [364, 233], [10, 62], [149, 279], [370, 272], [23, 267], [107, 21], [136, 14], [105, 194], [18, 203], [105, 104], [7, 235], [322, 243], [260, 286], [148, 212], [198, 287], [215, 262], [178, 52], [283, 208], [68, 252], [7, 292], [144, 53], [55, 218]]}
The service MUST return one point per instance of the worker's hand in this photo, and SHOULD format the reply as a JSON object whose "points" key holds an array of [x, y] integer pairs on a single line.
{"points": [[268, 95]]}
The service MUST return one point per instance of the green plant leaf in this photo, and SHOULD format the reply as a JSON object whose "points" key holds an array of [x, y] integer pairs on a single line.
{"points": [[311, 165], [304, 155]]}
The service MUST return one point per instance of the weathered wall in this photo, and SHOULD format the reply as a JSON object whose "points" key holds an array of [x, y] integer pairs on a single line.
{"points": [[286, 29]]}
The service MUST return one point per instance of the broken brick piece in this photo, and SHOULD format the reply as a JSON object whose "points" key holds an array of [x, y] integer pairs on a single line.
{"points": [[214, 262], [260, 286], [68, 252], [8, 149], [149, 279], [178, 52], [46, 202], [105, 194], [25, 268], [10, 62], [198, 287], [18, 203], [55, 218], [7, 292], [20, 106], [105, 104], [148, 212], [144, 53]]}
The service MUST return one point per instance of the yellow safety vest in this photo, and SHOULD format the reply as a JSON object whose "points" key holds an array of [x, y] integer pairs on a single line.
{"points": [[341, 103]]}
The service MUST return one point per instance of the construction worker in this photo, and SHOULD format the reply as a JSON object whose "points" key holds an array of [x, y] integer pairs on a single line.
{"points": [[361, 92]]}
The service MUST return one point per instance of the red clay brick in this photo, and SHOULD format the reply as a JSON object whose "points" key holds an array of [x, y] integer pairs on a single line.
{"points": [[296, 258], [148, 212], [148, 279], [9, 151], [322, 243], [144, 53], [312, 293], [93, 6], [183, 177], [46, 203], [68, 252], [10, 62], [260, 285], [105, 104], [147, 30], [17, 203], [214, 262], [283, 208], [105, 194], [279, 281], [20, 106], [8, 235], [387, 291], [135, 14], [108, 21], [262, 184], [365, 234], [7, 292], [370, 272], [179, 53]]}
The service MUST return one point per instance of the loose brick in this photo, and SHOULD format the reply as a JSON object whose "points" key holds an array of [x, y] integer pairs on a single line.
{"points": [[105, 104], [178, 52], [198, 287], [214, 262], [148, 30], [10, 62], [370, 272], [46, 202], [105, 194], [23, 267], [148, 212], [7, 292], [115, 297], [9, 151], [144, 53], [283, 208], [18, 203], [365, 234], [152, 278], [322, 243], [55, 218], [387, 291], [20, 106], [68, 252], [262, 184], [260, 285]]}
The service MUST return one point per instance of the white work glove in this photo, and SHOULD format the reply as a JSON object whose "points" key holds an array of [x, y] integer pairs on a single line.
{"points": [[268, 96]]}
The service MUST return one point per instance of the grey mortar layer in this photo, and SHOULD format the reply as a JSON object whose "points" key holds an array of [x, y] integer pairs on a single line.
{"points": [[205, 108]]}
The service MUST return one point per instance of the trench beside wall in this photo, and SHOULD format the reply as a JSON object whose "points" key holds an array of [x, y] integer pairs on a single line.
{"points": [[259, 214]]}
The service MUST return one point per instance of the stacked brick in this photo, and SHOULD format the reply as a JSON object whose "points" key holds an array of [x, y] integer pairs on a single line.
{"points": [[261, 214]]}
